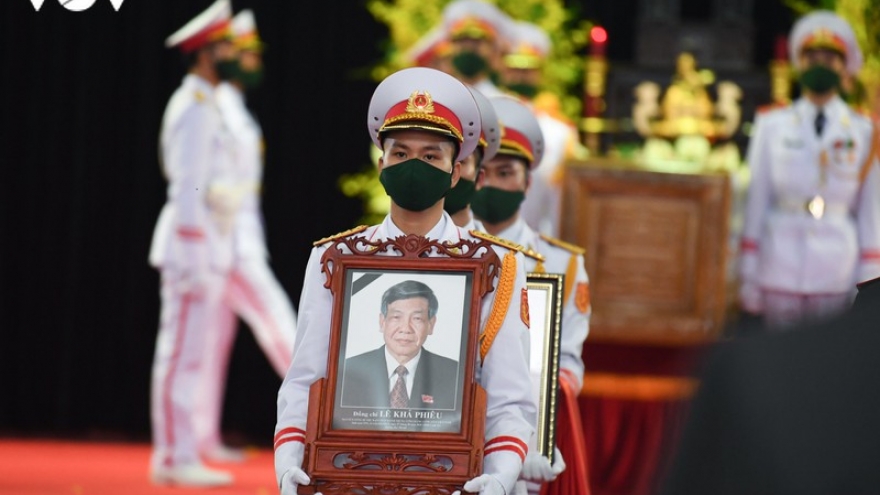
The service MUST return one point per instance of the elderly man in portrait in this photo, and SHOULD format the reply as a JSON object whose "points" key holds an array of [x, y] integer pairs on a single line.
{"points": [[402, 374]]}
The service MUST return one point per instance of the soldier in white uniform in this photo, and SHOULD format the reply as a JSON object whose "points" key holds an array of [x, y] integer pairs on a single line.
{"points": [[252, 291], [812, 217], [457, 202], [502, 185], [477, 31], [191, 247], [426, 122], [524, 62]]}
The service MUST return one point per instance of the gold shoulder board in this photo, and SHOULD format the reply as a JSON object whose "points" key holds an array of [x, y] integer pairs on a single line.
{"points": [[497, 240], [531, 253], [345, 233], [564, 245]]}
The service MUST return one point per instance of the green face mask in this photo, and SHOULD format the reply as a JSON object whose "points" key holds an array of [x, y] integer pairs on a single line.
{"points": [[493, 205], [249, 78], [459, 196], [524, 89], [820, 79], [415, 185], [469, 64], [226, 69]]}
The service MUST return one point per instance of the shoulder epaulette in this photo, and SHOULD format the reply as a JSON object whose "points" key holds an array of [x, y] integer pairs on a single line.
{"points": [[497, 240], [564, 245], [345, 233], [769, 107], [531, 253]]}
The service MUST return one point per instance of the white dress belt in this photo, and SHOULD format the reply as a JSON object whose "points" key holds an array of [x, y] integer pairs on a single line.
{"points": [[799, 205]]}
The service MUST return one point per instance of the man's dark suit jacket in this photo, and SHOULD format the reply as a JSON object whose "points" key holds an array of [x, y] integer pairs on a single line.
{"points": [[793, 413], [365, 381]]}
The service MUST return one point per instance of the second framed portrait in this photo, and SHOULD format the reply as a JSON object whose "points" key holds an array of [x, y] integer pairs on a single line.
{"points": [[545, 315]]}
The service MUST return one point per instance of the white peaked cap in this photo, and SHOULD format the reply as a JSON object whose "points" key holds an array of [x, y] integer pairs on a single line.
{"points": [[425, 99], [529, 36], [200, 29], [520, 132], [426, 45], [825, 29], [244, 23], [490, 130], [478, 14]]}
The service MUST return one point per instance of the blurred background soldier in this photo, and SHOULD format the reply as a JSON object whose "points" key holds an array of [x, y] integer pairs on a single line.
{"points": [[192, 247], [457, 203], [252, 291], [477, 31], [523, 65], [812, 218]]}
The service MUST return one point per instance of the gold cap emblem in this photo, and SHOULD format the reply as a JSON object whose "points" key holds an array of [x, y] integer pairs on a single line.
{"points": [[420, 102]]}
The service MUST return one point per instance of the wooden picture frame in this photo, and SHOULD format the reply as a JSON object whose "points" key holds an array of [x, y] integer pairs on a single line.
{"points": [[356, 442], [545, 318]]}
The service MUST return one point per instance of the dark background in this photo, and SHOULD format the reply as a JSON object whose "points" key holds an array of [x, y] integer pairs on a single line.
{"points": [[83, 95]]}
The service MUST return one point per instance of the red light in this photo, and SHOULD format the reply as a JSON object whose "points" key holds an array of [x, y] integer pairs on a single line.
{"points": [[598, 34]]}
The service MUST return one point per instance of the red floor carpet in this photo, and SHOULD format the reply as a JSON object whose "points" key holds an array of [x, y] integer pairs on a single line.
{"points": [[40, 467]]}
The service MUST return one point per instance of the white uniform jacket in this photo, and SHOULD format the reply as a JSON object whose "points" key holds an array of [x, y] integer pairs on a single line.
{"points": [[543, 204], [576, 308], [511, 410], [195, 150], [241, 190], [784, 247]]}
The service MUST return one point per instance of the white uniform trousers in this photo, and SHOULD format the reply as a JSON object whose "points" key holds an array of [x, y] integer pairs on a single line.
{"points": [[254, 294], [783, 310], [185, 321]]}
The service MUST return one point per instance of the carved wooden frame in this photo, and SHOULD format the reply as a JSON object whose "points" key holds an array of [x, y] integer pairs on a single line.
{"points": [[374, 462], [545, 321]]}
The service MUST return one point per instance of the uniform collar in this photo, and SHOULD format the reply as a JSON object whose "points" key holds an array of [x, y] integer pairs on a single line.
{"points": [[198, 83], [228, 90], [444, 230], [808, 111], [518, 232]]}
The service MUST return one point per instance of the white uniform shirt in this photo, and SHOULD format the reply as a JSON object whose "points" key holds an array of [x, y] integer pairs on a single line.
{"points": [[195, 150], [511, 409], [543, 204], [575, 320], [243, 182], [784, 247]]}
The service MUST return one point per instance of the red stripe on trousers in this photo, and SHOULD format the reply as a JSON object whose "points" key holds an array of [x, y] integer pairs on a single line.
{"points": [[169, 378], [251, 295]]}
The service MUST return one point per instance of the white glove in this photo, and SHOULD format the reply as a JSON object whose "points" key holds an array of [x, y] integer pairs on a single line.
{"points": [[750, 297], [485, 484], [291, 479], [558, 462], [194, 282], [537, 467]]}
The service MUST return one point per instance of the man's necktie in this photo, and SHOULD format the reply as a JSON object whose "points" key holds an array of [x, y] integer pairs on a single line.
{"points": [[820, 122], [399, 397]]}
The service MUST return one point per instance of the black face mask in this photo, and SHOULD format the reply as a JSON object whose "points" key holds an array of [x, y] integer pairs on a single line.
{"points": [[820, 79], [469, 64], [414, 184], [459, 197], [493, 205], [524, 89]]}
